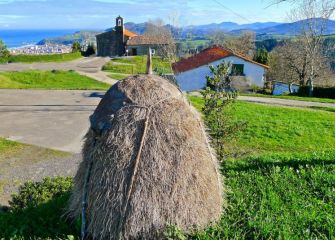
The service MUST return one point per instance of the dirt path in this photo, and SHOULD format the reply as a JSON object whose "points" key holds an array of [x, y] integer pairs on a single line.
{"points": [[90, 67]]}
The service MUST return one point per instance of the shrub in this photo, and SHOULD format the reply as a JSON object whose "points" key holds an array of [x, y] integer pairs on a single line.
{"points": [[76, 47], [320, 92], [37, 212], [89, 51], [31, 194]]}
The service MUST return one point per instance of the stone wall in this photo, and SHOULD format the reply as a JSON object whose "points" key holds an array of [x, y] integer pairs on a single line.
{"points": [[110, 44]]}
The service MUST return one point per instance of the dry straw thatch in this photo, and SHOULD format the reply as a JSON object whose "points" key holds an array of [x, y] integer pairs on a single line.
{"points": [[150, 164]]}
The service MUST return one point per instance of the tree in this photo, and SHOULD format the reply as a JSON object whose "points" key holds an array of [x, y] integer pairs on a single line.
{"points": [[313, 16], [290, 63], [261, 56], [90, 50], [218, 96], [244, 44], [4, 53], [163, 38], [76, 47]]}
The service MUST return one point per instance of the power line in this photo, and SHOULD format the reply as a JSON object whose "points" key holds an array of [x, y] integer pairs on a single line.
{"points": [[231, 10]]}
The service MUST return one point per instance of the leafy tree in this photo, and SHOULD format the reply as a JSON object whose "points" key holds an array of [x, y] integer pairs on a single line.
{"points": [[262, 56], [243, 44], [4, 53], [219, 95], [76, 47]]}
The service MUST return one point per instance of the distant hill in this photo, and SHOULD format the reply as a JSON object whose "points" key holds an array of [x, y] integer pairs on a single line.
{"points": [[287, 29], [204, 30], [81, 36], [263, 30], [266, 30]]}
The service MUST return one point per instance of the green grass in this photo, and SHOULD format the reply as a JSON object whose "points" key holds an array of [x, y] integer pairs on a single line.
{"points": [[49, 80], [9, 146], [328, 109], [118, 76], [283, 187], [136, 65], [278, 196], [290, 97], [45, 58], [279, 129]]}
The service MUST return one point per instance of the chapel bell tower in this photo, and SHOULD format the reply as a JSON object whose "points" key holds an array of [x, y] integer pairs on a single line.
{"points": [[119, 35], [119, 22]]}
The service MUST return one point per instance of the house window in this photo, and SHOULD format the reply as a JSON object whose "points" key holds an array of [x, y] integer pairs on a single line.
{"points": [[237, 69]]}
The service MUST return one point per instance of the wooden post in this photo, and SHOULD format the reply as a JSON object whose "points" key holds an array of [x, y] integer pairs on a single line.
{"points": [[149, 62]]}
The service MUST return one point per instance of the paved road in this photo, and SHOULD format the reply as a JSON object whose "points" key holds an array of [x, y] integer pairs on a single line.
{"points": [[52, 119], [87, 66], [284, 102]]}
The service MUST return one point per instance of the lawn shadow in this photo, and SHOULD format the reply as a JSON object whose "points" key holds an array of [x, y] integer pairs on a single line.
{"points": [[43, 221], [96, 95], [327, 109]]}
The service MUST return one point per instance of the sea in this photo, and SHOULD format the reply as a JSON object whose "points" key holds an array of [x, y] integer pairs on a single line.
{"points": [[20, 38]]}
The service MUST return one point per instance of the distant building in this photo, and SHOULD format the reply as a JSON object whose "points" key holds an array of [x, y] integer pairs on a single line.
{"points": [[139, 45], [280, 88], [113, 43], [191, 72], [120, 42]]}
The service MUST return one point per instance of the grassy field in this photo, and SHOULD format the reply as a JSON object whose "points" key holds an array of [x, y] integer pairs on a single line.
{"points": [[309, 99], [49, 80], [45, 58], [281, 185], [280, 181], [136, 65], [279, 129], [118, 76]]}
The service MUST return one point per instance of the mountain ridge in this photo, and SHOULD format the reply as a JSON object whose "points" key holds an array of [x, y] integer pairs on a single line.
{"points": [[263, 30]]}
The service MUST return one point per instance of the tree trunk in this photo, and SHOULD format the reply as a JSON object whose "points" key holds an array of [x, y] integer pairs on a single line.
{"points": [[310, 88], [290, 88], [310, 81]]}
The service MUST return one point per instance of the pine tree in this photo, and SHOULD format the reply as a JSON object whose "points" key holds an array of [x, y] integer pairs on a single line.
{"points": [[262, 56], [219, 95]]}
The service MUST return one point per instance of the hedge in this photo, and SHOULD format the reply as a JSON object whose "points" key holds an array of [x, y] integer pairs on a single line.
{"points": [[320, 92]]}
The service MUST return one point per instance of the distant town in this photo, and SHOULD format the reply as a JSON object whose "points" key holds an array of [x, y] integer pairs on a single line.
{"points": [[41, 49]]}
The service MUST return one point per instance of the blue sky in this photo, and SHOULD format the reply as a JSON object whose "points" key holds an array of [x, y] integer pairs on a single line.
{"points": [[100, 14]]}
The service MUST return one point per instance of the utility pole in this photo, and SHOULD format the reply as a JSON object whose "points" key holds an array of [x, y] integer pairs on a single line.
{"points": [[149, 62]]}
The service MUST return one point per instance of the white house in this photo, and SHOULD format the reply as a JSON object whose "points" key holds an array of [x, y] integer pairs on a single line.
{"points": [[191, 72]]}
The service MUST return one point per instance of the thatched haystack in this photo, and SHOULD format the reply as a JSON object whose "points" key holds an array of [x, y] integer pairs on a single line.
{"points": [[147, 164]]}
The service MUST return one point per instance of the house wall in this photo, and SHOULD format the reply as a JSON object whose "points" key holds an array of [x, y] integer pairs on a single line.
{"points": [[143, 49], [195, 79]]}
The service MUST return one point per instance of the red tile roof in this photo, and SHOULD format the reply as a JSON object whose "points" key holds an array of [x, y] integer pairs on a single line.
{"points": [[147, 40], [128, 33], [207, 56]]}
